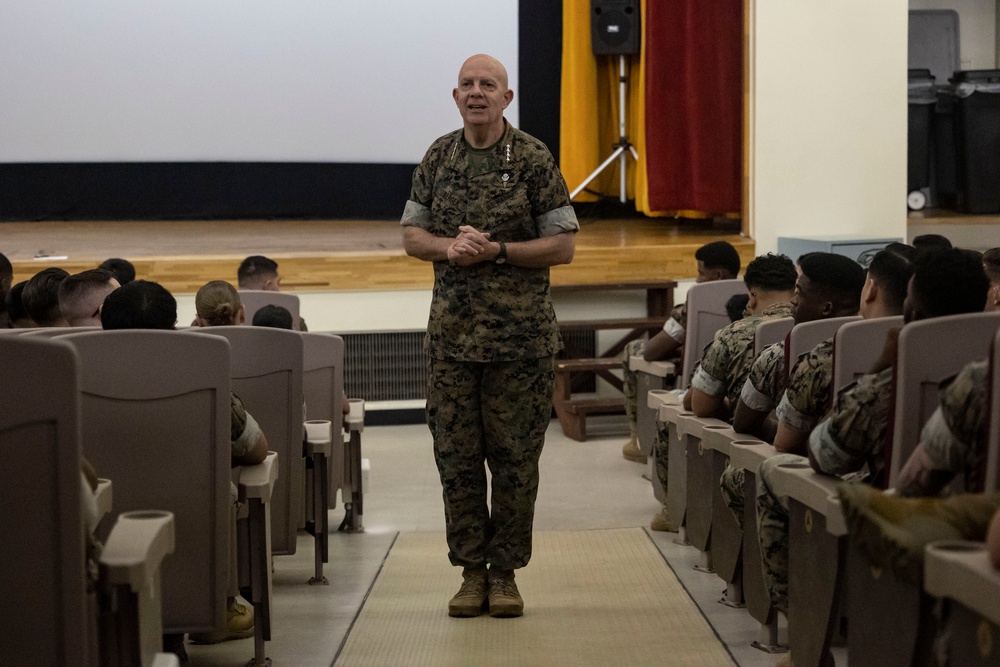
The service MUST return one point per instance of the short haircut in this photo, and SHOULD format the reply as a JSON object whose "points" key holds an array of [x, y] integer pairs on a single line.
{"points": [[736, 306], [836, 277], [924, 241], [948, 282], [141, 304], [719, 255], [771, 273], [79, 288], [122, 269], [14, 305], [41, 295], [891, 269], [991, 264], [276, 317], [218, 303], [255, 268]]}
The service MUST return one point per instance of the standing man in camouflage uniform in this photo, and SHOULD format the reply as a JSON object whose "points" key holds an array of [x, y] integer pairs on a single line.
{"points": [[849, 442], [490, 209], [718, 260]]}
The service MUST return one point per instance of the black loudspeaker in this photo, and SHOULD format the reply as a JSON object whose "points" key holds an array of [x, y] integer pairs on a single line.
{"points": [[614, 27]]}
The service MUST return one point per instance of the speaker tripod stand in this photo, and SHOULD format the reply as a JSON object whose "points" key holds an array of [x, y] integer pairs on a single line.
{"points": [[623, 148]]}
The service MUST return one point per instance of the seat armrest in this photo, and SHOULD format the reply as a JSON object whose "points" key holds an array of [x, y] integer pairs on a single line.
{"points": [[136, 546], [165, 660], [257, 481], [696, 426], [962, 571], [660, 369], [835, 523], [313, 447], [799, 481], [748, 453], [669, 412], [104, 497], [719, 437], [657, 397]]}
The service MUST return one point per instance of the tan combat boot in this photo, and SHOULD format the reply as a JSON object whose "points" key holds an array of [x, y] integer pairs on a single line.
{"points": [[471, 597], [505, 600], [631, 450]]}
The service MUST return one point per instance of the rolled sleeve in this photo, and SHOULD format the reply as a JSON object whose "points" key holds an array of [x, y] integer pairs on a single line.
{"points": [[674, 329], [755, 399], [829, 455], [788, 415], [416, 215], [556, 221], [707, 384], [942, 447], [243, 444]]}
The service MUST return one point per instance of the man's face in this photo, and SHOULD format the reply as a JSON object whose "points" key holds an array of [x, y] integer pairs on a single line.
{"points": [[482, 93], [807, 304], [706, 275]]}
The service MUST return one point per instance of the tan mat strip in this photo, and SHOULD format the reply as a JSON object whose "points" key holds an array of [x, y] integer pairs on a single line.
{"points": [[601, 597]]}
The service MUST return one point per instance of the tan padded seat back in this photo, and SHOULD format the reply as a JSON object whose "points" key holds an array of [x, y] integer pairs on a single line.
{"points": [[706, 314], [323, 387], [808, 335], [931, 351], [266, 367], [857, 345], [43, 618], [770, 332], [156, 419], [255, 299]]}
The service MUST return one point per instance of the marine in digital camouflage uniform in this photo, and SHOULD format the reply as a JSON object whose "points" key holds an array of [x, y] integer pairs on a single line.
{"points": [[726, 362], [807, 398], [843, 444], [675, 327], [491, 337], [893, 530], [761, 392]]}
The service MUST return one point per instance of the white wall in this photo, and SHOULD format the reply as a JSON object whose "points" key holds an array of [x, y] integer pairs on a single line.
{"points": [[977, 30], [827, 129], [239, 80]]}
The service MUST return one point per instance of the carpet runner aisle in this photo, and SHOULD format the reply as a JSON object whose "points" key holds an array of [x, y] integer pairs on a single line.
{"points": [[598, 597]]}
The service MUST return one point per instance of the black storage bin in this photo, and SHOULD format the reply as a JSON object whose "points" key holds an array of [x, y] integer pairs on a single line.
{"points": [[944, 181], [977, 139], [921, 98]]}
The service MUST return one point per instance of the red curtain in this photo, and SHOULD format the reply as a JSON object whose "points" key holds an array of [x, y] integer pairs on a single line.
{"points": [[694, 105]]}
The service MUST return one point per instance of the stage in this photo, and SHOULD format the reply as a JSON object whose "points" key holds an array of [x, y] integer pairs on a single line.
{"points": [[341, 255]]}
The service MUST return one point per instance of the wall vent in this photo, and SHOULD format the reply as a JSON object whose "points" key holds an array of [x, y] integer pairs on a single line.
{"points": [[392, 365]]}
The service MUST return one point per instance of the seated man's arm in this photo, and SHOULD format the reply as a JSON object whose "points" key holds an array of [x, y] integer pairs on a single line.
{"points": [[707, 405], [951, 440], [661, 346], [855, 429], [249, 446], [667, 342], [787, 440]]}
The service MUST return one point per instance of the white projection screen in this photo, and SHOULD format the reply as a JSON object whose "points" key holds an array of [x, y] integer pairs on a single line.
{"points": [[239, 80]]}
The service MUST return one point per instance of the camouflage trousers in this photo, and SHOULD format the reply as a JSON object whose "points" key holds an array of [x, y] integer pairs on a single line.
{"points": [[489, 414], [661, 452], [772, 527], [731, 484], [630, 383]]}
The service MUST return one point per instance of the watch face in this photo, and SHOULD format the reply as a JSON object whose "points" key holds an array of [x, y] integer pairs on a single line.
{"points": [[501, 260]]}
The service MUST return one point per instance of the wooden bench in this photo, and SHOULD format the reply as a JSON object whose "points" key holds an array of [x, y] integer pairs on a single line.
{"points": [[571, 372]]}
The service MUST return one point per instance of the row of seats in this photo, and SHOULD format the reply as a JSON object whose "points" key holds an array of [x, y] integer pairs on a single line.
{"points": [[826, 585], [155, 418]]}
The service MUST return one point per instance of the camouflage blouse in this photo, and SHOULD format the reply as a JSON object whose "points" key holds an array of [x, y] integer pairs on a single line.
{"points": [[490, 312], [807, 398], [726, 361], [954, 437]]}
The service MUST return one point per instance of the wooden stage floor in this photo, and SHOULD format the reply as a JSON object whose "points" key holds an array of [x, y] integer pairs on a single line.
{"points": [[339, 255]]}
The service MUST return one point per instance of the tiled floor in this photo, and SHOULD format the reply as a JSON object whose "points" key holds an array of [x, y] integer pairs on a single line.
{"points": [[584, 486]]}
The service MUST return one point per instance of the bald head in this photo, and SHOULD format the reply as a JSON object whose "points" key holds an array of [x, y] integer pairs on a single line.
{"points": [[482, 61], [481, 96]]}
